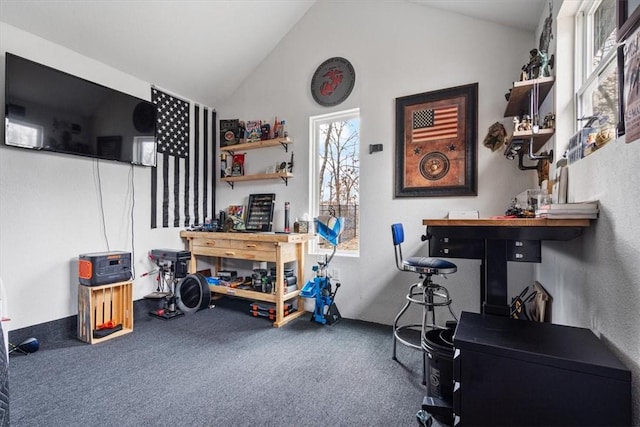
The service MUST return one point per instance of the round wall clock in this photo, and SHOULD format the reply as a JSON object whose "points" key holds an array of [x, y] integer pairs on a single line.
{"points": [[333, 81]]}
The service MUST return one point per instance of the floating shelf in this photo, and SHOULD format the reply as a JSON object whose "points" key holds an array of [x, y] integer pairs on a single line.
{"points": [[538, 139], [280, 175], [519, 98], [257, 144]]}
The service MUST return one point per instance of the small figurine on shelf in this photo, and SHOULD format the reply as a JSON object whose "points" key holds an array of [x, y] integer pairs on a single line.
{"points": [[525, 123], [546, 64], [540, 64], [265, 130], [516, 123], [549, 121]]}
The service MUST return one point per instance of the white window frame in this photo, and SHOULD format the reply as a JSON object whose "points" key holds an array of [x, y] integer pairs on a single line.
{"points": [[586, 74], [314, 170]]}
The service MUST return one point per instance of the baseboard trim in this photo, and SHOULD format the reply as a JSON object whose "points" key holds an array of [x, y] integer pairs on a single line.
{"points": [[61, 330]]}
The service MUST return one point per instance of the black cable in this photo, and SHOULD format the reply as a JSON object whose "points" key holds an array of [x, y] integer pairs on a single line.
{"points": [[132, 187], [104, 224]]}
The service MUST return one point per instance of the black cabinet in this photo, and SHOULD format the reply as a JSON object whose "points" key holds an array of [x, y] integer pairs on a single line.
{"points": [[524, 250], [516, 372], [446, 247]]}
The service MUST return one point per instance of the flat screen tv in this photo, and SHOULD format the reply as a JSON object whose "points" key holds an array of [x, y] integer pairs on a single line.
{"points": [[51, 111]]}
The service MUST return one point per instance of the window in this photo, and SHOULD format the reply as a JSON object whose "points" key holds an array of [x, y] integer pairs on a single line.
{"points": [[597, 94], [23, 134], [335, 175]]}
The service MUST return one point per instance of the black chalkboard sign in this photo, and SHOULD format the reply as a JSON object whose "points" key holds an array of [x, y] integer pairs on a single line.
{"points": [[260, 212]]}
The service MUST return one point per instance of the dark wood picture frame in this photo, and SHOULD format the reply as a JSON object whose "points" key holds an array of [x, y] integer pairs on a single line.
{"points": [[620, 128], [436, 143], [627, 20]]}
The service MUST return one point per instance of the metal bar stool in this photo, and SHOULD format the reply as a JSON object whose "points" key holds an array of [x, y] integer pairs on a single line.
{"points": [[424, 293]]}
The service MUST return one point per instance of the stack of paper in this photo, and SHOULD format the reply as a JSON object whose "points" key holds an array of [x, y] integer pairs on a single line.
{"points": [[582, 210]]}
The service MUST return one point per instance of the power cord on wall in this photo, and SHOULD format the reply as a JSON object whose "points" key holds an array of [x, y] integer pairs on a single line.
{"points": [[101, 203], [132, 189]]}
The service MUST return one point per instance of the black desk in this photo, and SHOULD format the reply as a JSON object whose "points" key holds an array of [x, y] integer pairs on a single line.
{"points": [[495, 242]]}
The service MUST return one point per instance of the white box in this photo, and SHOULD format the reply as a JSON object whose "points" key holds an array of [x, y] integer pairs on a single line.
{"points": [[464, 215]]}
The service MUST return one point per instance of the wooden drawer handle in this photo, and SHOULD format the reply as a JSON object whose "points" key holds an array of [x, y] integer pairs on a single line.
{"points": [[250, 245], [229, 253]]}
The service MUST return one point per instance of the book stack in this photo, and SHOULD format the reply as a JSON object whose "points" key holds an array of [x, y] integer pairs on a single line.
{"points": [[582, 210]]}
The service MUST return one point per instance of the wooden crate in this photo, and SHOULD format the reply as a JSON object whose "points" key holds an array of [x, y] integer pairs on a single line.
{"points": [[98, 305]]}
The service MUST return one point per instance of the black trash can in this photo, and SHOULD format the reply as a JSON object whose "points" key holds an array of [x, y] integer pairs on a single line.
{"points": [[438, 344]]}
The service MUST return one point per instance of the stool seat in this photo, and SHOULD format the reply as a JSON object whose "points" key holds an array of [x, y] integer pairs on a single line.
{"points": [[427, 265]]}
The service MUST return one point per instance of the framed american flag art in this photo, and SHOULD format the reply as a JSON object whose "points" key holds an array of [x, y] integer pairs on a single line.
{"points": [[436, 143]]}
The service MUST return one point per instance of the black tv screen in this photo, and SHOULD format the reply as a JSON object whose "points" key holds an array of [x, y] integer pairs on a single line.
{"points": [[50, 110]]}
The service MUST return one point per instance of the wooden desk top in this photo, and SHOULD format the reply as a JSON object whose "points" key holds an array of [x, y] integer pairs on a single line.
{"points": [[255, 237], [513, 222]]}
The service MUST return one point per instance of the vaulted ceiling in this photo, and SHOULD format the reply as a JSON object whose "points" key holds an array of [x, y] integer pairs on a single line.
{"points": [[200, 49]]}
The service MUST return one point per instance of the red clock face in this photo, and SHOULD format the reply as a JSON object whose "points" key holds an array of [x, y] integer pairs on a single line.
{"points": [[333, 82]]}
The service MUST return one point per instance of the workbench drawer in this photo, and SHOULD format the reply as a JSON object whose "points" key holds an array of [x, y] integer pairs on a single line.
{"points": [[447, 247], [524, 250], [252, 246], [212, 243]]}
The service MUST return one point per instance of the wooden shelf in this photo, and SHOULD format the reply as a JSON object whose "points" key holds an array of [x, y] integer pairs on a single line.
{"points": [[519, 99], [112, 302], [259, 176], [258, 144], [539, 139], [249, 294]]}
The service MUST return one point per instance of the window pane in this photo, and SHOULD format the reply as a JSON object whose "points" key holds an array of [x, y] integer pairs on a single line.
{"points": [[339, 177], [604, 30], [601, 98], [23, 134]]}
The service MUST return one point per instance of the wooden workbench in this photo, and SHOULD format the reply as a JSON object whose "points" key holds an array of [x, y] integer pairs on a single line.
{"points": [[278, 248]]}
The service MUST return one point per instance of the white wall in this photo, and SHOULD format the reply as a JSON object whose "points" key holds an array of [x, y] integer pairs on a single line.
{"points": [[595, 280], [397, 49], [50, 209]]}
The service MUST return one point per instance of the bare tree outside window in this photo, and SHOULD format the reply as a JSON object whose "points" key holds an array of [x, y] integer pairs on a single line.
{"points": [[597, 86], [338, 176]]}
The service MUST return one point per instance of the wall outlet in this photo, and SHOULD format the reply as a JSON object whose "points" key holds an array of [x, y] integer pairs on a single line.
{"points": [[335, 273]]}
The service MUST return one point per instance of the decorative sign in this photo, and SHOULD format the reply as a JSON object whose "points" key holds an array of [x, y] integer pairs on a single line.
{"points": [[632, 87], [436, 143], [260, 212], [333, 82]]}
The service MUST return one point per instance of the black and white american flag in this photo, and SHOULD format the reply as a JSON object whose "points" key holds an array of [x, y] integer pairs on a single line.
{"points": [[183, 182]]}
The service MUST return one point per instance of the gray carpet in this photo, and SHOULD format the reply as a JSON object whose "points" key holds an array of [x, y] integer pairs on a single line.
{"points": [[220, 367]]}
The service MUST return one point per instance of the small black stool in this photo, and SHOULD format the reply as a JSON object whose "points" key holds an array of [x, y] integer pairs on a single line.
{"points": [[424, 293]]}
